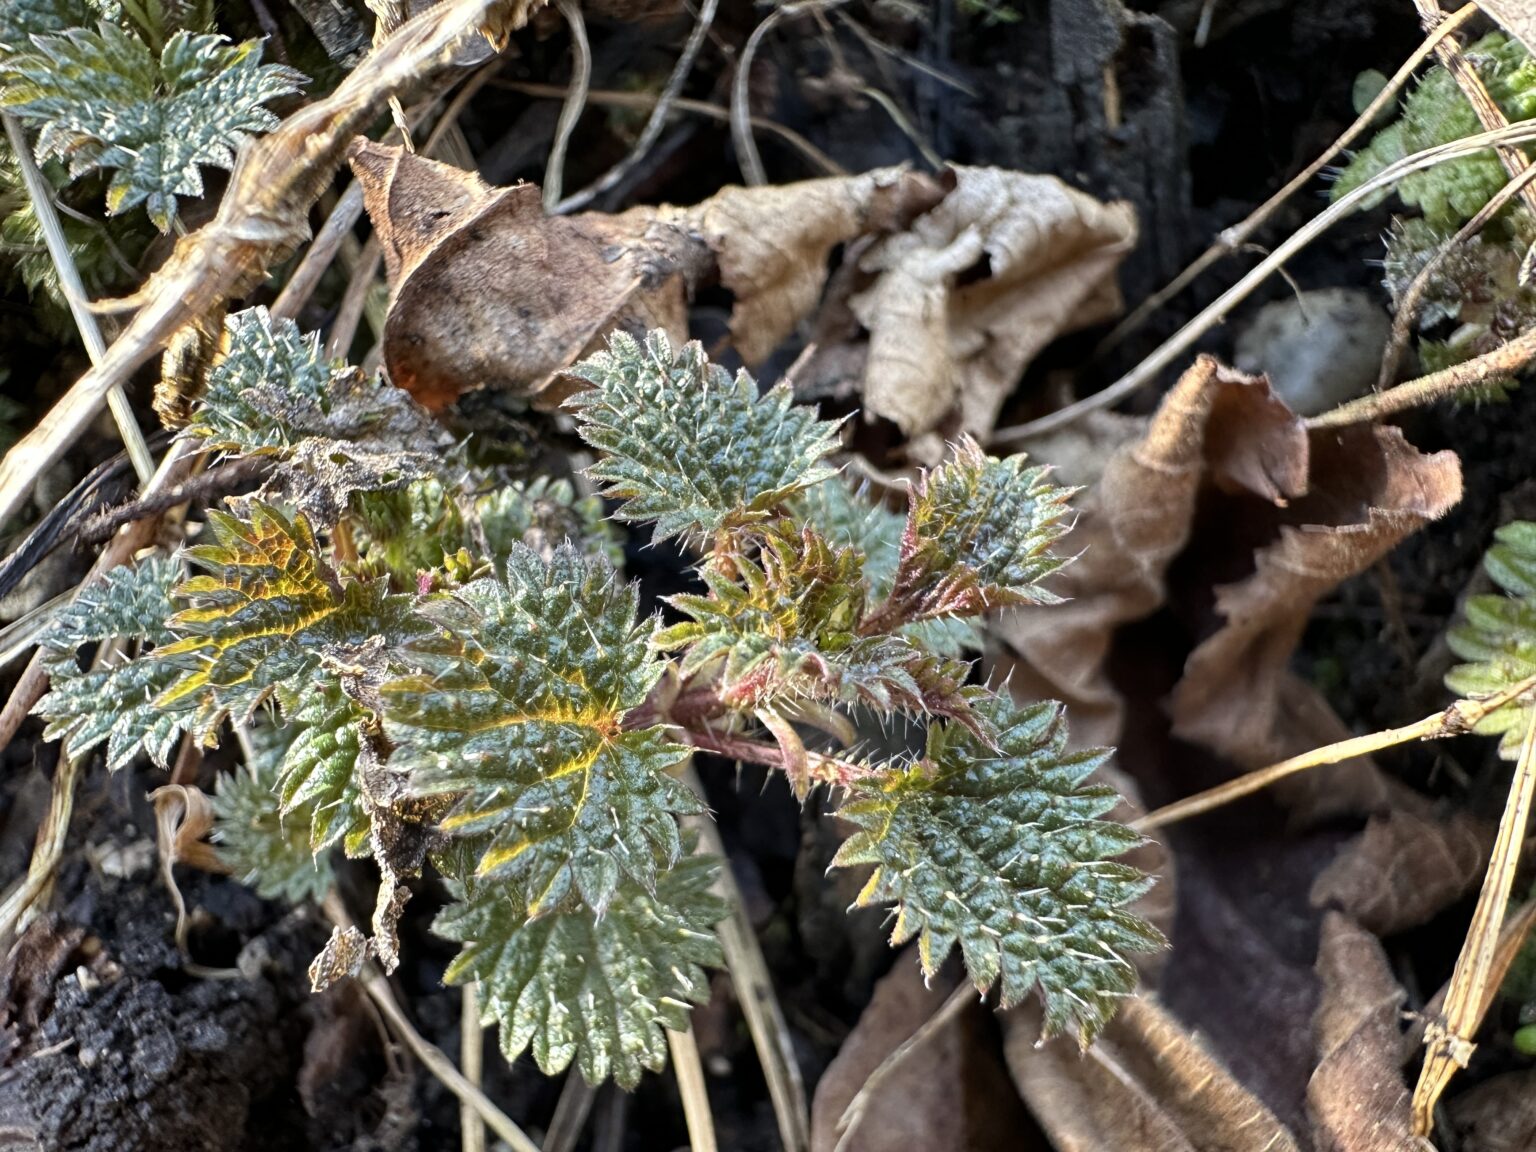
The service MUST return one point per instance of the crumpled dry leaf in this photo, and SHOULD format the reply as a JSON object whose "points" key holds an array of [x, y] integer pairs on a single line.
{"points": [[1367, 490], [183, 819], [1357, 1099], [1406, 867], [957, 281], [1499, 1115], [1141, 480], [1147, 1083], [950, 1095], [964, 299], [343, 955]]}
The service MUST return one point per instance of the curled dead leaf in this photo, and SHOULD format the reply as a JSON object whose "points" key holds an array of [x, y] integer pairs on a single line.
{"points": [[1357, 1098], [952, 1093], [1406, 867], [1147, 1083]]}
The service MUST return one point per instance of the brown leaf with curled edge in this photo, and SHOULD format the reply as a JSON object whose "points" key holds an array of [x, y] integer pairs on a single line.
{"points": [[1499, 1115], [1357, 1098], [262, 217], [1141, 480], [965, 298], [1147, 1083], [489, 292], [1406, 867], [344, 954], [951, 1094], [1367, 490]]}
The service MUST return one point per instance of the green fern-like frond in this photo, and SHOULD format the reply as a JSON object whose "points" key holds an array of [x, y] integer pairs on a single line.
{"points": [[114, 703], [1006, 852], [687, 446], [785, 626], [263, 843], [846, 517], [104, 100], [1437, 112], [268, 609], [597, 990], [978, 536], [515, 709], [1498, 635], [20, 20]]}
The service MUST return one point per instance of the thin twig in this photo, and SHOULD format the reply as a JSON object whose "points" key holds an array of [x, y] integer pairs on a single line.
{"points": [[1175, 346], [1461, 717], [46, 852], [658, 118], [607, 97], [74, 292], [321, 254], [571, 1112], [575, 102], [1413, 296], [1449, 1038], [353, 301], [690, 1084], [754, 990], [1233, 238], [848, 1122], [472, 1056], [899, 118], [1505, 360], [741, 102]]}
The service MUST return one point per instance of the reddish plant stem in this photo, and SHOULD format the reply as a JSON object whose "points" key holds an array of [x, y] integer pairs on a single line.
{"points": [[828, 769]]}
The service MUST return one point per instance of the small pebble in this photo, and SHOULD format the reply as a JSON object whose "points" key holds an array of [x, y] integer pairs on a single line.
{"points": [[1319, 349]]}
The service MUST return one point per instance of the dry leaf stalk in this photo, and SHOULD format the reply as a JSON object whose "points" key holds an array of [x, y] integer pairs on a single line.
{"points": [[1449, 1038]]}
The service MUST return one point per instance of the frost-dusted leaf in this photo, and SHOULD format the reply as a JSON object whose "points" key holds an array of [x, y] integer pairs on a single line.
{"points": [[20, 20], [1005, 852], [847, 517], [104, 100], [268, 608], [598, 990], [515, 709], [340, 432], [318, 773], [115, 703], [786, 626], [978, 536], [689, 447], [1498, 635], [267, 844], [544, 514]]}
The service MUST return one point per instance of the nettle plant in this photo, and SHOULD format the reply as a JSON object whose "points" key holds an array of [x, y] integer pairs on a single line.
{"points": [[431, 664]]}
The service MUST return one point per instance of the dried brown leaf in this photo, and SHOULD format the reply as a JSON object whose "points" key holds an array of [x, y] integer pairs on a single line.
{"points": [[1499, 1115], [1147, 1084], [950, 1095], [1357, 1099], [1367, 490], [1406, 867], [1141, 480], [965, 298]]}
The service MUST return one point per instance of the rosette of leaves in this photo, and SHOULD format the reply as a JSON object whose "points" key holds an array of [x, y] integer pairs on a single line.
{"points": [[1497, 635], [153, 101], [994, 839]]}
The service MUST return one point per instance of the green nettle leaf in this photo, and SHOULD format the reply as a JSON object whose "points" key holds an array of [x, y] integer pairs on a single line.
{"points": [[598, 990], [515, 709], [117, 702], [1499, 635], [978, 537], [846, 517], [104, 100], [689, 447], [786, 626], [1005, 852], [317, 776], [20, 20], [267, 848], [269, 609], [543, 514]]}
